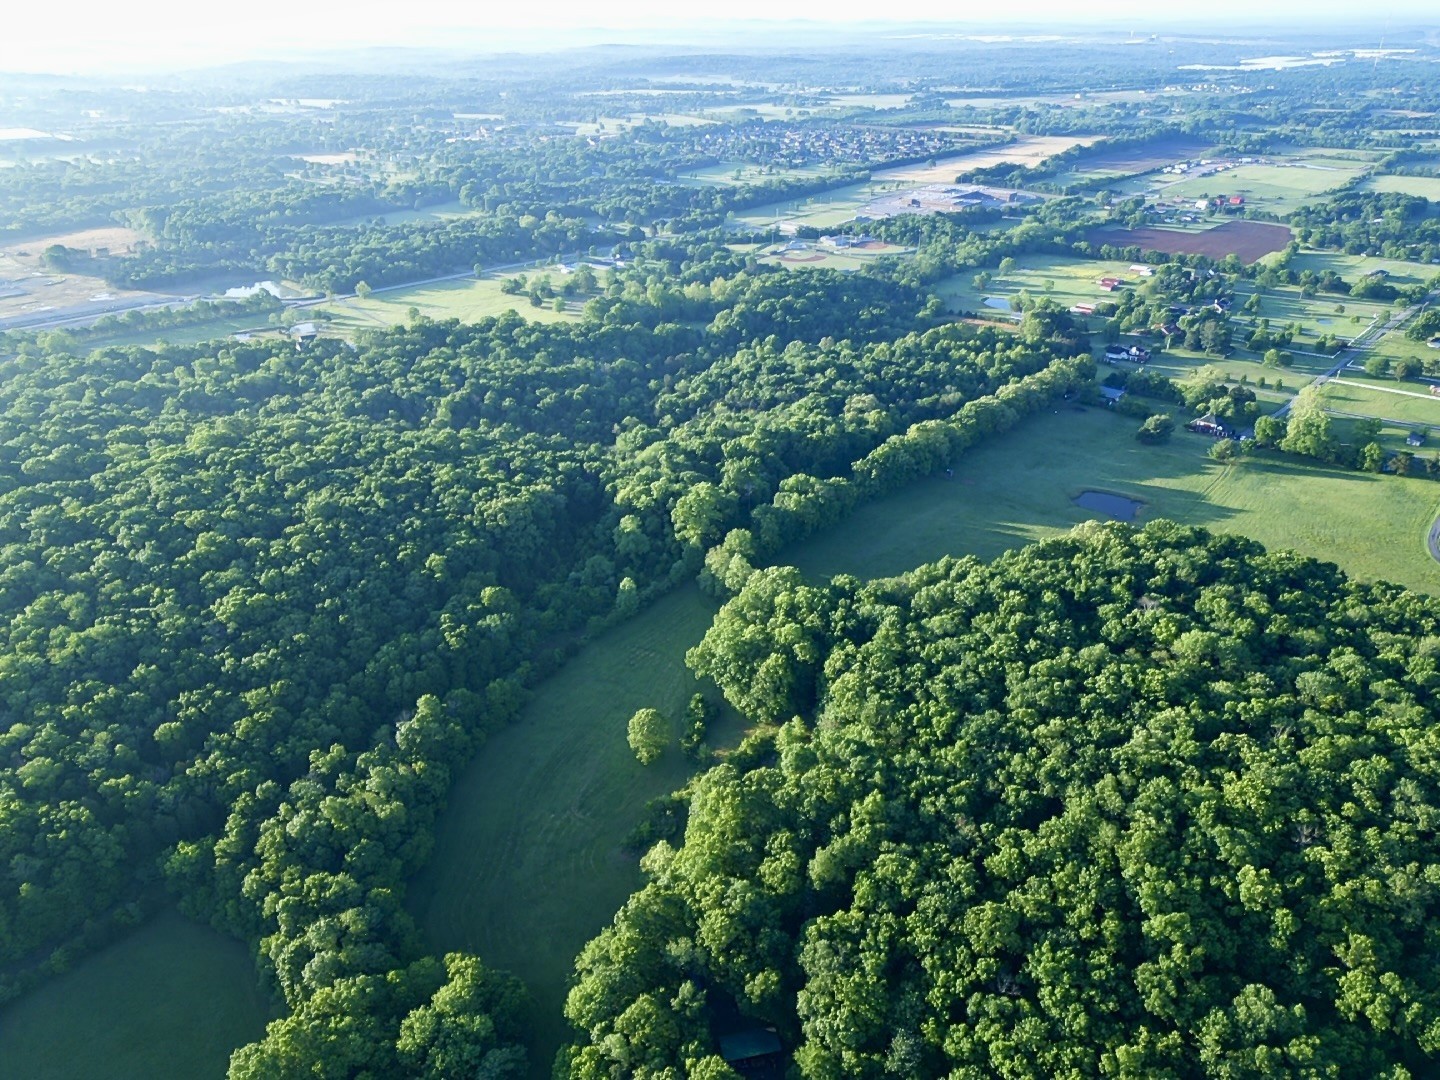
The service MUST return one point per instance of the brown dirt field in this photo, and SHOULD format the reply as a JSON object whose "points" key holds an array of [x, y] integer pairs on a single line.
{"points": [[801, 258], [1248, 240], [1025, 150], [114, 237]]}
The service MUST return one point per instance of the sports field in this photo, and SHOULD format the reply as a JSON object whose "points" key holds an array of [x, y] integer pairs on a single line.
{"points": [[172, 999]]}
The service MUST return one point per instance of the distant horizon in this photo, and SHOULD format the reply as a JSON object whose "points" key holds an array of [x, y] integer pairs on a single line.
{"points": [[164, 36]]}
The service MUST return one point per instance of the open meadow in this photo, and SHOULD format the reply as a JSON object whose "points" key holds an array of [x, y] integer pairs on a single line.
{"points": [[172, 999], [467, 299], [1425, 187], [526, 881], [1018, 489], [1065, 280]]}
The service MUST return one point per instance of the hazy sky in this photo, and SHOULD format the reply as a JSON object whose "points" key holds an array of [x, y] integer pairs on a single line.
{"points": [[81, 35]]}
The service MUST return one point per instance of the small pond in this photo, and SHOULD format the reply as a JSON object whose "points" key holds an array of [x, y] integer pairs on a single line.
{"points": [[997, 302], [1115, 506]]}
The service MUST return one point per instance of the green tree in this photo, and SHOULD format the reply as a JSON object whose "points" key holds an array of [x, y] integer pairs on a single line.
{"points": [[648, 733]]}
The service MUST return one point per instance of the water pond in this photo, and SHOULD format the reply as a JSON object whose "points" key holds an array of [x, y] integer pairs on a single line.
{"points": [[1116, 506]]}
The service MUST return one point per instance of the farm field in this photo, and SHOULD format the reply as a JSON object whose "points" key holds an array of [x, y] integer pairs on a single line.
{"points": [[1247, 240], [467, 299], [1017, 489], [526, 882], [835, 207], [1026, 150], [174, 998], [1351, 267]]}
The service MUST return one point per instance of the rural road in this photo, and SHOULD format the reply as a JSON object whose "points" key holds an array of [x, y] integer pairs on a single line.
{"points": [[1362, 342], [1433, 540]]}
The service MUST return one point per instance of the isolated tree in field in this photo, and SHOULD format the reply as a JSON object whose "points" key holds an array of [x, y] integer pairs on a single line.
{"points": [[648, 734], [1308, 428], [362, 290], [1007, 266], [1223, 451], [1156, 429], [1377, 366], [1408, 368]]}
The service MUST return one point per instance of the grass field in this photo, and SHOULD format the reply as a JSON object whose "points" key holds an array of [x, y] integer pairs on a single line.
{"points": [[1072, 281], [1416, 408], [1278, 187], [1426, 187], [171, 1000], [1018, 488], [466, 299], [823, 211], [528, 863], [180, 335], [1316, 316], [725, 173]]}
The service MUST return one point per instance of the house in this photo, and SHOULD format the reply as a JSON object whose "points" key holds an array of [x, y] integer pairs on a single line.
{"points": [[305, 331], [1209, 424], [1138, 353], [1235, 201], [1111, 394], [754, 1051], [1169, 329], [1114, 353]]}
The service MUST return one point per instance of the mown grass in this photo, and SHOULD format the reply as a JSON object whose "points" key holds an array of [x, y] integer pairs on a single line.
{"points": [[172, 999], [1355, 397], [529, 863], [1018, 489], [466, 299]]}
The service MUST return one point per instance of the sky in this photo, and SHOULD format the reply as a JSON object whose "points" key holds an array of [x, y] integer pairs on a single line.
{"points": [[108, 35]]}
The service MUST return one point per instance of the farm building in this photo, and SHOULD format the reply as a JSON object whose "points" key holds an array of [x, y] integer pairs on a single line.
{"points": [[1143, 270], [1082, 309], [1109, 284], [1111, 394]]}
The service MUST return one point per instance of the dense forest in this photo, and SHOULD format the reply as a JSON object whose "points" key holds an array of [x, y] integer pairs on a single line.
{"points": [[1133, 803]]}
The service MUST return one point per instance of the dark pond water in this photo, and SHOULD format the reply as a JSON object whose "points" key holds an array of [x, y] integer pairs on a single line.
{"points": [[1115, 506]]}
